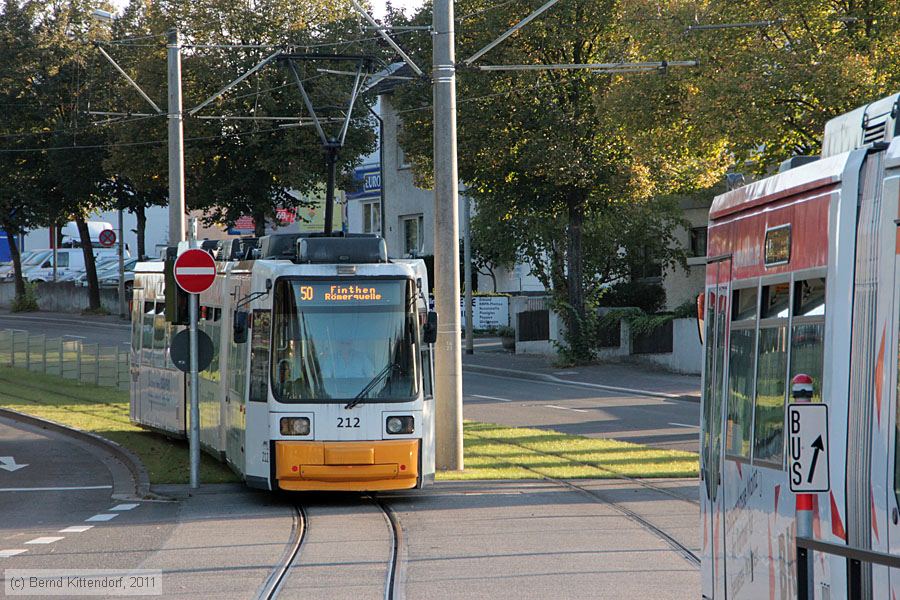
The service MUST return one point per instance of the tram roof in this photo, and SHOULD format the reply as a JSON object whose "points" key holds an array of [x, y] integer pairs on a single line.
{"points": [[818, 174]]}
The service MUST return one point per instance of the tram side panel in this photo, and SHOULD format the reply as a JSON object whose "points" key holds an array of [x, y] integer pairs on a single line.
{"points": [[882, 424], [771, 336], [257, 447], [159, 388], [211, 400], [236, 382]]}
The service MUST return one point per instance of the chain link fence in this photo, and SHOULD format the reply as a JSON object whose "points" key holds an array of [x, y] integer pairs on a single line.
{"points": [[67, 357]]}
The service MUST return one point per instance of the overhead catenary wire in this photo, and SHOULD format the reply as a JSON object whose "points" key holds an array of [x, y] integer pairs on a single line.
{"points": [[145, 143]]}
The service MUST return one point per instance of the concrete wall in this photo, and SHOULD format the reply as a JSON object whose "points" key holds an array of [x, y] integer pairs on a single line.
{"points": [[687, 357], [62, 296]]}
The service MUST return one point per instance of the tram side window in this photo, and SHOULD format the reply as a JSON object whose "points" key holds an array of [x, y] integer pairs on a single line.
{"points": [[159, 335], [147, 332], [740, 373], [259, 355], [771, 373], [237, 368], [137, 321], [808, 332]]}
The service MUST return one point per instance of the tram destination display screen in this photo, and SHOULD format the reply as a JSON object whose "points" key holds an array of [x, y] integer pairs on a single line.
{"points": [[344, 340], [378, 293]]}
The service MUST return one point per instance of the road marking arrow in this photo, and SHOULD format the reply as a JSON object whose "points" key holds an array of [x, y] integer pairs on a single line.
{"points": [[8, 463]]}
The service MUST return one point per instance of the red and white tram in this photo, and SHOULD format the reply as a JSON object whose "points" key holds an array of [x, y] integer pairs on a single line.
{"points": [[802, 277]]}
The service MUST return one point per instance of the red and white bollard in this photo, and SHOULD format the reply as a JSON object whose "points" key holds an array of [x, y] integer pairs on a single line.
{"points": [[801, 393]]}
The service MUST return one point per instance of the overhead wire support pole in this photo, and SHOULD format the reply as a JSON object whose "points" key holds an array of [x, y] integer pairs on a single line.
{"points": [[592, 66], [225, 89], [127, 78], [308, 102], [448, 355], [176, 141], [509, 32], [750, 24], [356, 87], [365, 14]]}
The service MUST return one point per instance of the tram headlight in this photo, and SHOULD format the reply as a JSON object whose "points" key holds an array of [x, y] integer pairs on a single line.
{"points": [[398, 425], [294, 426]]}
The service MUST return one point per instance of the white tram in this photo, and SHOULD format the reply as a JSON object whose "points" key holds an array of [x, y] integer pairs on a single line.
{"points": [[322, 371], [803, 276]]}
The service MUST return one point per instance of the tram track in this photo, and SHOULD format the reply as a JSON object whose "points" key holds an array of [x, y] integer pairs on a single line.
{"points": [[597, 496], [292, 557]]}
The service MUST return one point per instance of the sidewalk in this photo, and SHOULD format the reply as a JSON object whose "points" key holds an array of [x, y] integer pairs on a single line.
{"points": [[490, 358]]}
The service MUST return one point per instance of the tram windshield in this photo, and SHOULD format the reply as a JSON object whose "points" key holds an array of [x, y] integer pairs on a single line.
{"points": [[344, 340]]}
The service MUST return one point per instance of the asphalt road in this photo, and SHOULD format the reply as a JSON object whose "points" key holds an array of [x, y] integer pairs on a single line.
{"points": [[107, 331], [647, 420]]}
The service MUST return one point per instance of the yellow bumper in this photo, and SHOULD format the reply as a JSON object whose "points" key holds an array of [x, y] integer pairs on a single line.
{"points": [[347, 466]]}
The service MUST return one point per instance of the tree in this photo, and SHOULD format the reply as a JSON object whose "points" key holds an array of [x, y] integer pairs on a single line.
{"points": [[256, 167], [21, 170], [549, 153], [767, 90], [73, 183], [492, 245]]}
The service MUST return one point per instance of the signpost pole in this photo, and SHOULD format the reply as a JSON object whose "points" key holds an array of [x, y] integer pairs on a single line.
{"points": [[801, 393], [195, 401]]}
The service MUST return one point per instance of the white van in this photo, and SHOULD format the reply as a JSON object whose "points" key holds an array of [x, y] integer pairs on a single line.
{"points": [[69, 260]]}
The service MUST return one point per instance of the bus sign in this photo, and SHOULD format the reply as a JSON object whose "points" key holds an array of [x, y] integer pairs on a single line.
{"points": [[808, 444]]}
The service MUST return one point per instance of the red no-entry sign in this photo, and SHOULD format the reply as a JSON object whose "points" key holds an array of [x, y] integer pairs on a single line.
{"points": [[195, 271]]}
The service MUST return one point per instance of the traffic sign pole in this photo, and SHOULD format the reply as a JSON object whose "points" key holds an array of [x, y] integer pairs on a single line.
{"points": [[195, 396], [195, 272], [801, 393]]}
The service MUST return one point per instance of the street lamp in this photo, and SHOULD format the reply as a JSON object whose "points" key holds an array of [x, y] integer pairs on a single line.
{"points": [[107, 17]]}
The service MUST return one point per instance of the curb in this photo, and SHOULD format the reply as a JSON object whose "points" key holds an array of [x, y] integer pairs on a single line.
{"points": [[497, 371], [139, 475]]}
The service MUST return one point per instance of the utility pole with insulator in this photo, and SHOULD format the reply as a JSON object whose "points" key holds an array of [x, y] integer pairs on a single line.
{"points": [[176, 141], [448, 358]]}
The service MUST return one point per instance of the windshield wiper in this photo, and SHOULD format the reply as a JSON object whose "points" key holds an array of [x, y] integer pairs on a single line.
{"points": [[369, 386]]}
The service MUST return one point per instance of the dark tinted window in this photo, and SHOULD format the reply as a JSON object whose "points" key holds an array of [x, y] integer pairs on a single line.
{"points": [[776, 300], [809, 297]]}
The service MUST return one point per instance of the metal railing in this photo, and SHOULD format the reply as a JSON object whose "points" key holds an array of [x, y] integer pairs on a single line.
{"points": [[66, 356], [855, 559]]}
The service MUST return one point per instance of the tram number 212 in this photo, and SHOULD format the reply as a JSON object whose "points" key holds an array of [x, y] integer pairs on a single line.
{"points": [[348, 422]]}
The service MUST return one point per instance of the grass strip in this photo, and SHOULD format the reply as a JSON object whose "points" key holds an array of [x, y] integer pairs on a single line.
{"points": [[104, 411], [491, 451], [500, 452]]}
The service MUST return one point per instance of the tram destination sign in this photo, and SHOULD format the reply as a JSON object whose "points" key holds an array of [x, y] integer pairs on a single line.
{"points": [[808, 447], [358, 293]]}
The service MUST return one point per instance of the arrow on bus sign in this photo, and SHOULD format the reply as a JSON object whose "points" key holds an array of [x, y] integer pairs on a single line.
{"points": [[195, 271]]}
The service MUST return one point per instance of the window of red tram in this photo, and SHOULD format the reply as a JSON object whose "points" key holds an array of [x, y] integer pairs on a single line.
{"points": [[742, 355], [771, 373]]}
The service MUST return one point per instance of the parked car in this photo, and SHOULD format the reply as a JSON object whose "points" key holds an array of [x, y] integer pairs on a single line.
{"points": [[30, 259], [68, 260], [109, 277], [80, 275]]}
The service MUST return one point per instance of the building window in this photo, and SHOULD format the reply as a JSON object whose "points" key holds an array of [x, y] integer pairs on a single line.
{"points": [[698, 241], [413, 242], [402, 163], [372, 217]]}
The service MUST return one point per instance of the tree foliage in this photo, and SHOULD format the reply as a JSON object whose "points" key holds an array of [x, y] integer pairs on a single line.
{"points": [[550, 157]]}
